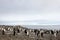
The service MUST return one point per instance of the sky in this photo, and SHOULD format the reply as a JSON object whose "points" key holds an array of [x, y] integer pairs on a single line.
{"points": [[30, 12]]}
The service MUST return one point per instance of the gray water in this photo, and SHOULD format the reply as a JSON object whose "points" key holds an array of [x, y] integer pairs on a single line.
{"points": [[53, 27]]}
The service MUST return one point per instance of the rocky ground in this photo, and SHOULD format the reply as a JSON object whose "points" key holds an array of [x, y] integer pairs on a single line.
{"points": [[17, 37], [11, 37], [22, 34]]}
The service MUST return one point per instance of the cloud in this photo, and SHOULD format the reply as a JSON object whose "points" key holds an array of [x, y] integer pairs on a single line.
{"points": [[22, 17], [30, 10], [30, 4]]}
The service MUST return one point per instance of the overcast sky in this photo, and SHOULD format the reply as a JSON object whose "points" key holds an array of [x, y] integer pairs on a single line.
{"points": [[33, 12]]}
